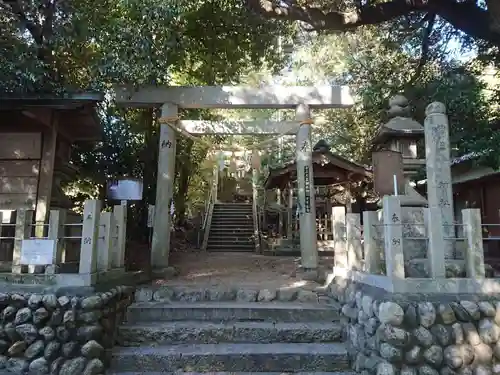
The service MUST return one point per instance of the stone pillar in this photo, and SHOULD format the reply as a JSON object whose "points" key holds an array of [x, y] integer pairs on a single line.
{"points": [[474, 252], [164, 189], [435, 234], [339, 236], [437, 153], [120, 220], [354, 248], [393, 237], [106, 241], [371, 241], [289, 219], [90, 231], [57, 219], [305, 184]]}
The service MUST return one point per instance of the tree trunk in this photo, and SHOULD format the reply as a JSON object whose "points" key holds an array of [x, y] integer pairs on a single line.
{"points": [[185, 171]]}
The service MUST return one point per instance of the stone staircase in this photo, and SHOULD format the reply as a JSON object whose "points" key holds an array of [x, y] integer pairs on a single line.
{"points": [[228, 331], [231, 228]]}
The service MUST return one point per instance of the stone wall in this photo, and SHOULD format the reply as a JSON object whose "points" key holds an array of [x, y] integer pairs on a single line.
{"points": [[60, 335], [391, 334]]}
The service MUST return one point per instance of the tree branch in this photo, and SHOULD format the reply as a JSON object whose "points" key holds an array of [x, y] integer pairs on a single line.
{"points": [[34, 29], [49, 11], [424, 56], [465, 16]]}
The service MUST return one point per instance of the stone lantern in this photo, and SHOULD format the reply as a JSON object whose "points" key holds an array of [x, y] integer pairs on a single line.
{"points": [[401, 134]]}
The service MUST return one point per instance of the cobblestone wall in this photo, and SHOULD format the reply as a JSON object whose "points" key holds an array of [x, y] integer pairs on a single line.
{"points": [[60, 335], [421, 335]]}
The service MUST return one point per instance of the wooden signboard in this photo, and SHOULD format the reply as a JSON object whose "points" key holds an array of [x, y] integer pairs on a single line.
{"points": [[386, 165]]}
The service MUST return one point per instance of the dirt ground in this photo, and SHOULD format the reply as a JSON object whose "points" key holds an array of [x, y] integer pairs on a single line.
{"points": [[234, 269]]}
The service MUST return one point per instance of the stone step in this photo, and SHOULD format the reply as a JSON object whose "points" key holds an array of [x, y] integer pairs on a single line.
{"points": [[232, 357], [231, 241], [234, 210], [233, 231], [197, 332], [232, 219], [284, 312], [236, 240], [218, 249], [231, 225], [235, 204], [232, 373], [214, 246]]}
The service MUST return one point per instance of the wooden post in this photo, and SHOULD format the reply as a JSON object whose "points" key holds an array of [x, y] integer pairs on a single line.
{"points": [[120, 219], [46, 178], [354, 248], [474, 252], [371, 241], [90, 233], [57, 219], [24, 220], [106, 250], [393, 237]]}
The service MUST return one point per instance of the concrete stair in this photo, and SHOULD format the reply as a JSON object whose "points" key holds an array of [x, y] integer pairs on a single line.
{"points": [[231, 338], [231, 228]]}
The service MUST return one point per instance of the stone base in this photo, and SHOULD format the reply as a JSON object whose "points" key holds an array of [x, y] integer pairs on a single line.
{"points": [[308, 274], [164, 273]]}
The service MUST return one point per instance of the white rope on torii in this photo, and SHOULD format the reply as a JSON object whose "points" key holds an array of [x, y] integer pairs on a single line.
{"points": [[172, 122]]}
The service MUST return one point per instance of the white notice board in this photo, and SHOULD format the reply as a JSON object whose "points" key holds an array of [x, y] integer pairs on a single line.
{"points": [[37, 251]]}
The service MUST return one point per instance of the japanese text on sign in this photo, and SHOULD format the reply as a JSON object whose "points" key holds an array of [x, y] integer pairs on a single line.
{"points": [[37, 252], [307, 183]]}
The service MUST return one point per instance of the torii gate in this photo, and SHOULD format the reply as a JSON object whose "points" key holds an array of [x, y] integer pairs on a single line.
{"points": [[171, 98]]}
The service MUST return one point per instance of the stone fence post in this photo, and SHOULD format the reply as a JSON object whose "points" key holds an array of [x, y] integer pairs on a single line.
{"points": [[24, 220], [120, 218], [339, 236], [106, 242], [90, 234], [57, 219], [437, 242], [474, 252], [393, 237], [354, 246], [371, 241]]}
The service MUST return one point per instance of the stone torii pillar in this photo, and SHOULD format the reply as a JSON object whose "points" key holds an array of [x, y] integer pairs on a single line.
{"points": [[305, 184], [160, 246]]}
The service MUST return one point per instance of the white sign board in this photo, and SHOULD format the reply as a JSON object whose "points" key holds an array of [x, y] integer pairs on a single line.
{"points": [[126, 190], [37, 251], [151, 215]]}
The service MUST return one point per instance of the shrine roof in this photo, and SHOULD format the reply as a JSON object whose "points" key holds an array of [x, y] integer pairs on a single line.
{"points": [[328, 169], [76, 112]]}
